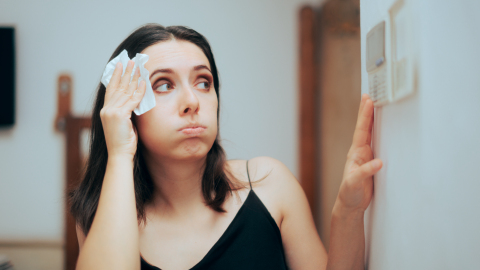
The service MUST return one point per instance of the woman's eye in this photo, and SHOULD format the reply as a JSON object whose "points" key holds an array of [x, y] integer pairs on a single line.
{"points": [[163, 87], [204, 85]]}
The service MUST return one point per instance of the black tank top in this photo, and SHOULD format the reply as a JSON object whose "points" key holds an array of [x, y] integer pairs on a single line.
{"points": [[252, 241]]}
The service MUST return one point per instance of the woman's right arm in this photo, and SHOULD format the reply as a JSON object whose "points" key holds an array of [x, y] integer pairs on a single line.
{"points": [[112, 242]]}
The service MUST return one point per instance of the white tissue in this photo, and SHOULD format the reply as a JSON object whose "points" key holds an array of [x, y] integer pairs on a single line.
{"points": [[148, 101]]}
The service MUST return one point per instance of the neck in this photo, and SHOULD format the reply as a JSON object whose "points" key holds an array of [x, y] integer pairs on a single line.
{"points": [[178, 184]]}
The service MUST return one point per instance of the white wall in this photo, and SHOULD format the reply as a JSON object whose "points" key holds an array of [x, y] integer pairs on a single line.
{"points": [[255, 45], [425, 212]]}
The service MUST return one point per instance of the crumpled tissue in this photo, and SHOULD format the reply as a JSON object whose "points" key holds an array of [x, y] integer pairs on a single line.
{"points": [[148, 101]]}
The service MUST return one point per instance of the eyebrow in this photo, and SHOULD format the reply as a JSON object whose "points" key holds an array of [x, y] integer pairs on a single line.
{"points": [[200, 67], [170, 71]]}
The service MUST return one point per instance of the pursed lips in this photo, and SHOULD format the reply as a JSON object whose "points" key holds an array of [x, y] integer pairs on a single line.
{"points": [[193, 130]]}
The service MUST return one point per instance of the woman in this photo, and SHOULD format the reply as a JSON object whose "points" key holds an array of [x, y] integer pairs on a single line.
{"points": [[159, 194]]}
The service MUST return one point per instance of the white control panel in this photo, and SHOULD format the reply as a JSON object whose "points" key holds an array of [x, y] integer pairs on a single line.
{"points": [[377, 66], [390, 57]]}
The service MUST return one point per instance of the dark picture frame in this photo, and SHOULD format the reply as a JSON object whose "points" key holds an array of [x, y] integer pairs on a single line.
{"points": [[7, 76]]}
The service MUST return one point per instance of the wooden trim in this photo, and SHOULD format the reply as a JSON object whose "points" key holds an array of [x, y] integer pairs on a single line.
{"points": [[307, 98], [341, 17], [31, 244], [73, 168], [64, 90]]}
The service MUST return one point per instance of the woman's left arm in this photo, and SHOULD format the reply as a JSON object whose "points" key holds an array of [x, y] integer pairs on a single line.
{"points": [[303, 248], [347, 237]]}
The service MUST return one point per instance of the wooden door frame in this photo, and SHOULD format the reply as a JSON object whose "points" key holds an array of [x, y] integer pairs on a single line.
{"points": [[307, 75], [72, 127]]}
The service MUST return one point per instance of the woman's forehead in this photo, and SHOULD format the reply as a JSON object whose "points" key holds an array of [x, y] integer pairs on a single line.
{"points": [[174, 54]]}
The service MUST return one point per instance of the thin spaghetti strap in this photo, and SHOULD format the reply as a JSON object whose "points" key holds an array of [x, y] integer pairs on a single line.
{"points": [[248, 175]]}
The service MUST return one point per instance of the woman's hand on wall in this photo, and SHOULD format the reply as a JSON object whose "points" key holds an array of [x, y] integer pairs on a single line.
{"points": [[121, 98], [356, 189], [347, 237]]}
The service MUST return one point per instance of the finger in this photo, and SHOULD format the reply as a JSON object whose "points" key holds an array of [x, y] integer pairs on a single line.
{"points": [[361, 130], [125, 81], [368, 169], [370, 128], [120, 95], [114, 81], [122, 99], [126, 95], [134, 84], [133, 102], [362, 103]]}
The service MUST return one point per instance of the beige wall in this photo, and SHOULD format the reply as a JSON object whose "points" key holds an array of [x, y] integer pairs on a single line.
{"points": [[338, 107], [34, 256], [339, 93]]}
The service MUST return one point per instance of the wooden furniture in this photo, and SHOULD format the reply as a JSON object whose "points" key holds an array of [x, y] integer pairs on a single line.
{"points": [[72, 127]]}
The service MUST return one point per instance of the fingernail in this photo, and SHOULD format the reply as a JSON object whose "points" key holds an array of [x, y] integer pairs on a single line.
{"points": [[119, 64]]}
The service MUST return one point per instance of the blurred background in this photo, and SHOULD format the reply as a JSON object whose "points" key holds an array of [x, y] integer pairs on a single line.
{"points": [[292, 72]]}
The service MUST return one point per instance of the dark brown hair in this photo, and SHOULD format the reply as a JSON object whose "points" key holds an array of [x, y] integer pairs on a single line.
{"points": [[215, 182]]}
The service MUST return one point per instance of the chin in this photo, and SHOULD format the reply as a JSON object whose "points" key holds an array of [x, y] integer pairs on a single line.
{"points": [[191, 150]]}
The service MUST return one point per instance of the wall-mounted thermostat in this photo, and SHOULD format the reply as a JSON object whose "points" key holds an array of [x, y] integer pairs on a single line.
{"points": [[390, 57], [377, 66]]}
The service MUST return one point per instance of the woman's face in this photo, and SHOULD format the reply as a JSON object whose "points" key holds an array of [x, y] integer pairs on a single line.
{"points": [[183, 124]]}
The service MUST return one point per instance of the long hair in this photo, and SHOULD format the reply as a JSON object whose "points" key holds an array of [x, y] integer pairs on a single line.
{"points": [[216, 181]]}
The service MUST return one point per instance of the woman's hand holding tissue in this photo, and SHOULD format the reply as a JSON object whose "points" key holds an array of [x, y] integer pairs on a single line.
{"points": [[121, 98], [356, 189], [116, 204]]}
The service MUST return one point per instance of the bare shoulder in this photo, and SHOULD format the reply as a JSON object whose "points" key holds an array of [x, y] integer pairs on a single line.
{"points": [[264, 172], [273, 183]]}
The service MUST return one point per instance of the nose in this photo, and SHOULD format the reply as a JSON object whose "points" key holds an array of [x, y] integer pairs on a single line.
{"points": [[189, 103]]}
